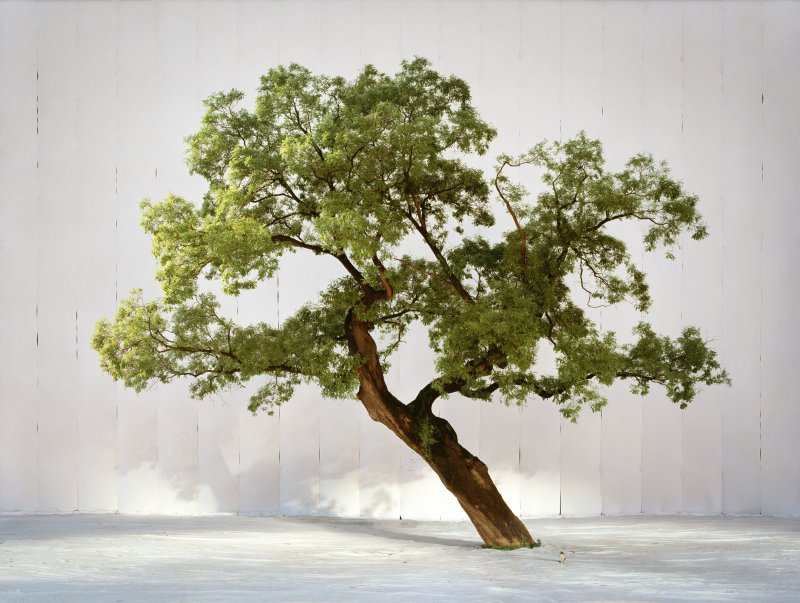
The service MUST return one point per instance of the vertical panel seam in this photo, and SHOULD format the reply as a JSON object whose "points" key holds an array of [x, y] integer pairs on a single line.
{"points": [[361, 62], [237, 53], [683, 255], [722, 247], [155, 185], [76, 262], [561, 419], [560, 86], [520, 148], [642, 264], [116, 226], [281, 19], [195, 402], [37, 216], [602, 138], [761, 279]]}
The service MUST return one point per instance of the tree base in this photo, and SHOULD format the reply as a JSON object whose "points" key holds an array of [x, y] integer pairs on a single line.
{"points": [[534, 545]]}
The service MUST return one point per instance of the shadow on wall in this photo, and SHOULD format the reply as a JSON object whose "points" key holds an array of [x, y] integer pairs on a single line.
{"points": [[151, 486], [251, 484], [258, 476]]}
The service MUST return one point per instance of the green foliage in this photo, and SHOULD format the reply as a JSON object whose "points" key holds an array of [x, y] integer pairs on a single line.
{"points": [[153, 341], [678, 365], [427, 436], [351, 169]]}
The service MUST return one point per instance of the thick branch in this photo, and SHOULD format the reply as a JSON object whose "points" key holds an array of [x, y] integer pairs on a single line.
{"points": [[319, 250], [422, 404], [423, 271], [399, 313], [285, 184], [451, 277], [382, 271], [291, 241], [299, 122], [523, 240]]}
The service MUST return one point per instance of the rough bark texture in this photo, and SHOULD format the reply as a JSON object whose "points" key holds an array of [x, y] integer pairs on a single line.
{"points": [[434, 439]]}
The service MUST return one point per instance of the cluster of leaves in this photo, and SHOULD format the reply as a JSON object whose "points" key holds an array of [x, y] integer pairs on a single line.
{"points": [[350, 169], [154, 341], [521, 293]]}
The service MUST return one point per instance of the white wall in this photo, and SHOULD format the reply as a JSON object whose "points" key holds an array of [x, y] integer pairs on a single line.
{"points": [[95, 99]]}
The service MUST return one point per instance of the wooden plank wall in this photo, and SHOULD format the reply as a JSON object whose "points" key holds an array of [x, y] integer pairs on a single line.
{"points": [[96, 99]]}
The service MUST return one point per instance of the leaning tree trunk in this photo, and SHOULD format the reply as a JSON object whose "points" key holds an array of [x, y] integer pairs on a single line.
{"points": [[434, 439], [467, 477]]}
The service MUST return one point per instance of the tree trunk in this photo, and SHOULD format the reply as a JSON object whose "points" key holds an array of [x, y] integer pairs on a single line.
{"points": [[467, 477], [434, 439]]}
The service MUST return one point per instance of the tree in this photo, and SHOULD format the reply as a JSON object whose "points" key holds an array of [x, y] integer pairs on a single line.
{"points": [[350, 169]]}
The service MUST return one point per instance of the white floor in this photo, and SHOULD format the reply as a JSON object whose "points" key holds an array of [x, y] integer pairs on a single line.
{"points": [[145, 558]]}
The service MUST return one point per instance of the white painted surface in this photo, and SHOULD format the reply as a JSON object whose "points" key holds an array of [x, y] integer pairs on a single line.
{"points": [[120, 85], [780, 285], [742, 230], [539, 118], [96, 250], [257, 43], [339, 420], [702, 302], [177, 96], [662, 123], [137, 427], [622, 127], [300, 421], [112, 557], [581, 109], [18, 213], [218, 435], [57, 250]]}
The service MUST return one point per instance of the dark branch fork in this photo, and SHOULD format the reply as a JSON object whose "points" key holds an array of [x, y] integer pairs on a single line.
{"points": [[319, 250], [523, 239], [437, 252]]}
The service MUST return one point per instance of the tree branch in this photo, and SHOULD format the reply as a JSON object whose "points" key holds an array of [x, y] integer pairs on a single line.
{"points": [[423, 271], [523, 240], [291, 241], [422, 404], [398, 314], [319, 250], [298, 121], [382, 271], [451, 277], [478, 368]]}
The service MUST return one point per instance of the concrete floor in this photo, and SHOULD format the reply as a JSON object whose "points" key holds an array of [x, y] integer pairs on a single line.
{"points": [[147, 558]]}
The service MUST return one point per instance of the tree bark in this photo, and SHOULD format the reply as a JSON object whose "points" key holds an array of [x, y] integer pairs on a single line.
{"points": [[467, 478], [434, 439]]}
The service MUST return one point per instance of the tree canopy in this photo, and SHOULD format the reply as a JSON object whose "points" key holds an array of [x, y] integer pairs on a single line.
{"points": [[351, 169], [354, 170]]}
